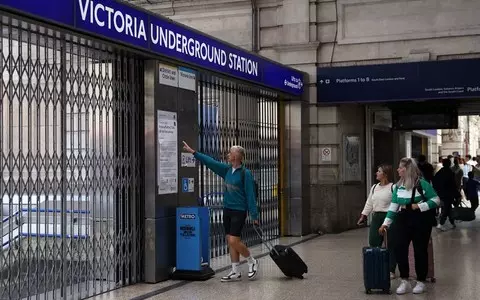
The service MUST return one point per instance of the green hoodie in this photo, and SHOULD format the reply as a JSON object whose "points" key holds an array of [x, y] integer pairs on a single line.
{"points": [[238, 195]]}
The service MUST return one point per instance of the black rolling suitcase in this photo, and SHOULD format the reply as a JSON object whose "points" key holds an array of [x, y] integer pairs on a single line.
{"points": [[376, 268], [285, 257]]}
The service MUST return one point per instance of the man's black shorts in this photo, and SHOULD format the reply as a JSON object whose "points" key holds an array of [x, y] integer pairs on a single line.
{"points": [[233, 221]]}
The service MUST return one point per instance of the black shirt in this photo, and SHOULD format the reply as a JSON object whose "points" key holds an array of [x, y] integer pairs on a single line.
{"points": [[444, 184]]}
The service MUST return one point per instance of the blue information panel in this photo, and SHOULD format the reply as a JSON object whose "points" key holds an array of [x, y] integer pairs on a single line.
{"points": [[139, 28], [450, 79], [193, 238]]}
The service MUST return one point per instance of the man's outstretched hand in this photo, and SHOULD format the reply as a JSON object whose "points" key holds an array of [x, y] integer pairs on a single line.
{"points": [[187, 148]]}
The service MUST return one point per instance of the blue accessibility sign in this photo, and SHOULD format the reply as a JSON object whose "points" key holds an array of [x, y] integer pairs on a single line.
{"points": [[185, 185], [188, 185]]}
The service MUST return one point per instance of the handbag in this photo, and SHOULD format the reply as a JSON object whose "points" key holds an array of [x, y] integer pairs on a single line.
{"points": [[463, 213]]}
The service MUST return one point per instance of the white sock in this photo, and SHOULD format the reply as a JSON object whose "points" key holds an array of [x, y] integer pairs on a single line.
{"points": [[250, 259], [235, 267]]}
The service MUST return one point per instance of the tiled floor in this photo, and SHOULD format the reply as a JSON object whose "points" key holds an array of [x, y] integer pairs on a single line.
{"points": [[335, 272]]}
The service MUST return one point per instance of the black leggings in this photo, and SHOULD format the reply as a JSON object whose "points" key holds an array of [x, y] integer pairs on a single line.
{"points": [[416, 227]]}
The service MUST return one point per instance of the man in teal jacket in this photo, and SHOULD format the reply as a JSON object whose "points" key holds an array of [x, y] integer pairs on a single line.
{"points": [[238, 198]]}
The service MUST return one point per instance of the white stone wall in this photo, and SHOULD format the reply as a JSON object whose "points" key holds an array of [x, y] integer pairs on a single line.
{"points": [[474, 134], [454, 139], [465, 139], [310, 33]]}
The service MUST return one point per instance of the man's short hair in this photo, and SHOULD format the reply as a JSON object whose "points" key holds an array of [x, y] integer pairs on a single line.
{"points": [[468, 156], [447, 163], [422, 158], [240, 150]]}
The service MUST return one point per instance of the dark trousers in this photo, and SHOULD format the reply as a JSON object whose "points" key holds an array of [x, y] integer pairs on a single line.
{"points": [[446, 211], [376, 240], [415, 227], [474, 203], [465, 181]]}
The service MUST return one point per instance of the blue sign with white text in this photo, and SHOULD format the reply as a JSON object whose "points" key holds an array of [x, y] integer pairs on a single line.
{"points": [[452, 79], [123, 23]]}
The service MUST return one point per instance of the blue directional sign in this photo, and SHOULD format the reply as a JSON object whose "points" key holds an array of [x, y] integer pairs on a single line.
{"points": [[430, 80]]}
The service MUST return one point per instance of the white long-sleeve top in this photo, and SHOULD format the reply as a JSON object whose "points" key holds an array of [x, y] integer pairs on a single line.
{"points": [[379, 199]]}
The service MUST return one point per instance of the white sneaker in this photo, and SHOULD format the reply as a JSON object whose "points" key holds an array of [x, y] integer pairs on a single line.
{"points": [[420, 288], [232, 276], [252, 269], [404, 287]]}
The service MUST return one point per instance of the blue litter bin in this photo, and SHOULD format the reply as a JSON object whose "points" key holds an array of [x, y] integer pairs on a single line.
{"points": [[193, 244]]}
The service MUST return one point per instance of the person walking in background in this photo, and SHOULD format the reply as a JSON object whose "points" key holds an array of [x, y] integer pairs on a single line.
{"points": [[458, 172], [470, 161], [439, 165], [467, 168], [446, 188], [378, 202], [472, 191], [239, 198], [412, 200], [426, 168]]}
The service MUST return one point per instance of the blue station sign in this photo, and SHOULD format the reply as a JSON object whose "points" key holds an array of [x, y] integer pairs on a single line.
{"points": [[451, 79], [139, 28]]}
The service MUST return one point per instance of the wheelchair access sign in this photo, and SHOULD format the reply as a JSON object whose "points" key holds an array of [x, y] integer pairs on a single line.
{"points": [[188, 185]]}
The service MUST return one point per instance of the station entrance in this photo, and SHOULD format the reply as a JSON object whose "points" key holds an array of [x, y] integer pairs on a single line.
{"points": [[237, 114], [73, 157]]}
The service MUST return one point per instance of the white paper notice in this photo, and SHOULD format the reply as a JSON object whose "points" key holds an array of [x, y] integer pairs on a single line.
{"points": [[167, 156], [187, 79], [168, 75], [188, 160]]}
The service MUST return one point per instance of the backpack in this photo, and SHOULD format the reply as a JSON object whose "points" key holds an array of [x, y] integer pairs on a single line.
{"points": [[255, 183]]}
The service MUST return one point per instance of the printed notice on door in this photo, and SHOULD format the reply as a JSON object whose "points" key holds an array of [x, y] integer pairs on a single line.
{"points": [[167, 156]]}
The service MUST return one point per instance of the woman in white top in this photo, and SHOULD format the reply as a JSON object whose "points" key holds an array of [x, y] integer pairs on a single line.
{"points": [[378, 202]]}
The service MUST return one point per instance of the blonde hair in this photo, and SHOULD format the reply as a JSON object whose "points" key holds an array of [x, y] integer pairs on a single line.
{"points": [[240, 150], [412, 173]]}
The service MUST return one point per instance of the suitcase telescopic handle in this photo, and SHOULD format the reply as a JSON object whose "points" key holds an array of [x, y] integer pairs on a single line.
{"points": [[267, 243]]}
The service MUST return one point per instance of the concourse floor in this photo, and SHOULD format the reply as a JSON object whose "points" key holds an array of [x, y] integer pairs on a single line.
{"points": [[335, 272]]}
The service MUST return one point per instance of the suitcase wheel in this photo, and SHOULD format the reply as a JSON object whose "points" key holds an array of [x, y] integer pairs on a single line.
{"points": [[368, 291], [387, 291], [433, 280]]}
